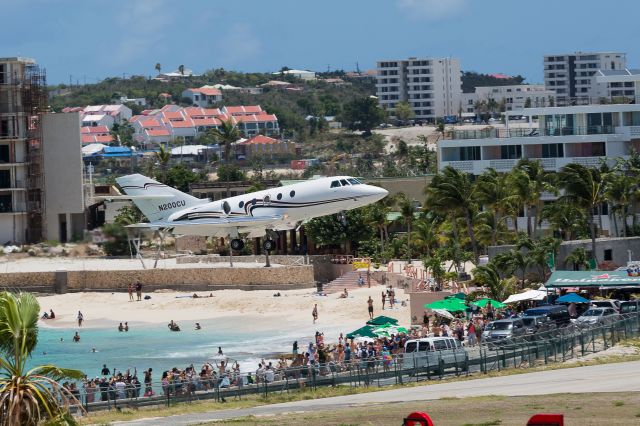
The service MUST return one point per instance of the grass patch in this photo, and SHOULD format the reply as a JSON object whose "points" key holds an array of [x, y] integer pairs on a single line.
{"points": [[595, 409], [618, 403]]}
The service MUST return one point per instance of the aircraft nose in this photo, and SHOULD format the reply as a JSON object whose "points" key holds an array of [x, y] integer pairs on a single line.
{"points": [[377, 192]]}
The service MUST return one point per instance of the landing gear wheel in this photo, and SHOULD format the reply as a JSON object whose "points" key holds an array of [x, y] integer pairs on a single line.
{"points": [[269, 245], [237, 244]]}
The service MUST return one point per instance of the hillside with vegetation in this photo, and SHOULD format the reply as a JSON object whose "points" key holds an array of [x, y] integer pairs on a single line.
{"points": [[471, 80]]}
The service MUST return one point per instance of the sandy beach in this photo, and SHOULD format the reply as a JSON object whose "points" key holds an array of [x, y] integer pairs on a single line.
{"points": [[289, 312]]}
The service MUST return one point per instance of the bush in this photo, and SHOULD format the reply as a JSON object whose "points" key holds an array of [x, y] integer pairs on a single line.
{"points": [[117, 243]]}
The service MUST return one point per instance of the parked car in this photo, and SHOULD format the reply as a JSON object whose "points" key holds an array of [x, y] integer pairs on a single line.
{"points": [[434, 353], [629, 306], [597, 316], [503, 329], [608, 303], [557, 313], [538, 323]]}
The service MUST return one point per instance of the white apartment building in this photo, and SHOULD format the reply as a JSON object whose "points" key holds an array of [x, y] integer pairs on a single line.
{"points": [[612, 85], [586, 134], [570, 75], [204, 96], [431, 86], [514, 97]]}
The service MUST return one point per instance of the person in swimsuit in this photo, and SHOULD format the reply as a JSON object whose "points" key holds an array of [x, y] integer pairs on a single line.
{"points": [[130, 290], [314, 313], [370, 303], [384, 299]]}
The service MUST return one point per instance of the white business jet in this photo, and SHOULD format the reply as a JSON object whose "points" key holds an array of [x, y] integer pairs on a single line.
{"points": [[250, 215]]}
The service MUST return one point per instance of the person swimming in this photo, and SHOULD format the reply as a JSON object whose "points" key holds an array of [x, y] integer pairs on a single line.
{"points": [[173, 326], [198, 326], [121, 327], [126, 326], [76, 337]]}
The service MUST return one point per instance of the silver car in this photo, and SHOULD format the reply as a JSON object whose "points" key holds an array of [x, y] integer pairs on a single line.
{"points": [[499, 330], [597, 316]]}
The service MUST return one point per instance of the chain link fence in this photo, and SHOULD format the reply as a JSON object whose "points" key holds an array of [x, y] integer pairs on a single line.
{"points": [[526, 351]]}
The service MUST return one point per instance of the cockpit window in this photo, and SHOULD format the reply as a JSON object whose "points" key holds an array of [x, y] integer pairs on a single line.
{"points": [[344, 182], [353, 181], [335, 184]]}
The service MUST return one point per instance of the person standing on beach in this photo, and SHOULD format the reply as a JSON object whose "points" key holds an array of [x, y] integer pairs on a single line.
{"points": [[130, 290], [139, 290], [80, 319], [314, 313], [295, 349], [370, 303], [384, 299]]}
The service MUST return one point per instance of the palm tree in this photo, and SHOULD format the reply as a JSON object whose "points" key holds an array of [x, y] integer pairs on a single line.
{"points": [[579, 258], [566, 218], [377, 217], [494, 193], [34, 396], [163, 156], [528, 180], [426, 234], [226, 134], [498, 288], [407, 212], [586, 187], [452, 192], [620, 192], [512, 261], [158, 67]]}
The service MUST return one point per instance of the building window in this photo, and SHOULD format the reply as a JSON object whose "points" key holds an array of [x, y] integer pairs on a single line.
{"points": [[553, 150], [510, 152], [470, 153], [608, 253]]}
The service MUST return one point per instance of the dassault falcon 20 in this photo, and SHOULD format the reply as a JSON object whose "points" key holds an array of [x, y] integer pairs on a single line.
{"points": [[250, 215]]}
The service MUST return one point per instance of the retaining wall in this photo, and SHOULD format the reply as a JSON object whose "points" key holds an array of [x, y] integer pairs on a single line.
{"points": [[259, 278]]}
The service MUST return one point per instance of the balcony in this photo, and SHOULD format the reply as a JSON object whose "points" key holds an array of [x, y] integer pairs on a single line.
{"points": [[550, 164], [500, 133]]}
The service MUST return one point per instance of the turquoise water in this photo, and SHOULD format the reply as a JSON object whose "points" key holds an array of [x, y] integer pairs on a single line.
{"points": [[155, 346]]}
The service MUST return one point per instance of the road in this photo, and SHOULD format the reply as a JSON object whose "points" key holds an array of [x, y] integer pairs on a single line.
{"points": [[620, 377]]}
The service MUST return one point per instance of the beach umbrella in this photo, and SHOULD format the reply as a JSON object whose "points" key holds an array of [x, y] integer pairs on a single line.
{"points": [[366, 331], [451, 305], [381, 320], [571, 298], [460, 296], [484, 302], [443, 313]]}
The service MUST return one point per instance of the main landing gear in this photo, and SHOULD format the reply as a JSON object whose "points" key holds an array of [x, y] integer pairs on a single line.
{"points": [[237, 244]]}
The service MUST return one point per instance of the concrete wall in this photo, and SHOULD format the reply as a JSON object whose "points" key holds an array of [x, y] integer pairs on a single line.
{"points": [[418, 300], [64, 192], [282, 278]]}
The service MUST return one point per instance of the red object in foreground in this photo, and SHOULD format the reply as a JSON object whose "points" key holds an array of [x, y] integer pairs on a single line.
{"points": [[418, 418], [546, 420]]}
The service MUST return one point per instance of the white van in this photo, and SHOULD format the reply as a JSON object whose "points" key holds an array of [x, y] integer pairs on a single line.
{"points": [[436, 353]]}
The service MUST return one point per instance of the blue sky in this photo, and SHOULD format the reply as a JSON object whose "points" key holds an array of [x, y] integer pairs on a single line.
{"points": [[92, 40]]}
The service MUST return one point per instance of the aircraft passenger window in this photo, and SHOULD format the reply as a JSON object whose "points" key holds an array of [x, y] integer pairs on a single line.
{"points": [[226, 207], [292, 194], [335, 184], [254, 202], [267, 199], [344, 182], [279, 196], [353, 181], [241, 204]]}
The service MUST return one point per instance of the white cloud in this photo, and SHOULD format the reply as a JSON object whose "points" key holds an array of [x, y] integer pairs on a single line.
{"points": [[432, 9]]}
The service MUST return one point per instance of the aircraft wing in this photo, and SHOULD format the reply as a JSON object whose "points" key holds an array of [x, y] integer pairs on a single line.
{"points": [[133, 197]]}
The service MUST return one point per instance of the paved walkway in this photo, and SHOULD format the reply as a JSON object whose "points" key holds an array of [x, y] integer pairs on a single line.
{"points": [[620, 377]]}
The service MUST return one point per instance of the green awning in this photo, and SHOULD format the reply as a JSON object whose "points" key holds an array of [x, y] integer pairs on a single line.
{"points": [[381, 320], [452, 305], [561, 279]]}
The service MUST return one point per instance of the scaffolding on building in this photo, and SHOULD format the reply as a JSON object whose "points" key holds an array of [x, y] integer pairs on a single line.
{"points": [[34, 105]]}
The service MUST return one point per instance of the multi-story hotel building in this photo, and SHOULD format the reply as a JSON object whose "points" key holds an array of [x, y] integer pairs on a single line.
{"points": [[586, 134], [570, 75], [431, 86]]}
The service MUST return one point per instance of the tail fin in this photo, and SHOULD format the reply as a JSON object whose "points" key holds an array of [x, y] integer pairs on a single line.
{"points": [[155, 200]]}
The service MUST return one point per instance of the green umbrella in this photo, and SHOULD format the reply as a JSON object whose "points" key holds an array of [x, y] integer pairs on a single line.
{"points": [[460, 296], [483, 303], [382, 320], [366, 331], [451, 305]]}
